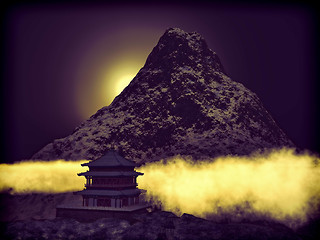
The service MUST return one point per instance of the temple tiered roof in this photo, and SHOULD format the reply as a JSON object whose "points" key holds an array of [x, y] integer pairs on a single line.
{"points": [[111, 159]]}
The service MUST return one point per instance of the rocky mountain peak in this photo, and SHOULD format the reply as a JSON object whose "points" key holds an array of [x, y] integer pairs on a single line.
{"points": [[179, 48], [178, 66], [180, 102]]}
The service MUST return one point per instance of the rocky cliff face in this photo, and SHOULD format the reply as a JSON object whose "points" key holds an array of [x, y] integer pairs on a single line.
{"points": [[180, 102]]}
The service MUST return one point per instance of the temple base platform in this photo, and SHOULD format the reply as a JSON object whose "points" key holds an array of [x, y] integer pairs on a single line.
{"points": [[91, 214]]}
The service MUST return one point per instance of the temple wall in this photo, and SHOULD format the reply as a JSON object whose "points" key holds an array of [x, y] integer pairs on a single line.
{"points": [[114, 202]]}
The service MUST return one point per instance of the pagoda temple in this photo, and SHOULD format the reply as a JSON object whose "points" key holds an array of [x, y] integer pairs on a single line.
{"points": [[110, 191], [110, 182]]}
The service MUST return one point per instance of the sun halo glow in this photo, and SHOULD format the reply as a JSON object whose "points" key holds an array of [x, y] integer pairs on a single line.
{"points": [[122, 83]]}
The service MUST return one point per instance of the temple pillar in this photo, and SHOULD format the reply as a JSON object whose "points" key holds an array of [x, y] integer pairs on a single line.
{"points": [[117, 203], [90, 202], [113, 202]]}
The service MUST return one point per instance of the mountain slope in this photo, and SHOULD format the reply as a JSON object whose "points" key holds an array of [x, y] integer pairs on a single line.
{"points": [[180, 102]]}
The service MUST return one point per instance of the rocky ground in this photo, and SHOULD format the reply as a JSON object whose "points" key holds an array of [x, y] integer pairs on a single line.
{"points": [[35, 206], [155, 225], [19, 221]]}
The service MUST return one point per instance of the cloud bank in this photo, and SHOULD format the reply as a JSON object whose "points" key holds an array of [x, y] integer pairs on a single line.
{"points": [[42, 176], [281, 185]]}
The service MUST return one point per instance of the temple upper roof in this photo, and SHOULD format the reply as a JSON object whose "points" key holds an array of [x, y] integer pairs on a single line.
{"points": [[110, 174], [110, 159]]}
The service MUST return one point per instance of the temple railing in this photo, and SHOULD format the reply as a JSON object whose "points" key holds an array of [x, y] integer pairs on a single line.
{"points": [[111, 185]]}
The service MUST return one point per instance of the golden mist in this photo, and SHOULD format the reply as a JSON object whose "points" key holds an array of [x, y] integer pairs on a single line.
{"points": [[280, 184], [42, 176]]}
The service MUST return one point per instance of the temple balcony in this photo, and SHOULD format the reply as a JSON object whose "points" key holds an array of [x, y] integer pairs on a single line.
{"points": [[111, 185]]}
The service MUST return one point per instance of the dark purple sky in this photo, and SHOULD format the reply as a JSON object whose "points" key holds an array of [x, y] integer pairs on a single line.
{"points": [[55, 57]]}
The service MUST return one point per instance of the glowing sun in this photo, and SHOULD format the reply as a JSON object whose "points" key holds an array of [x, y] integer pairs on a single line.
{"points": [[122, 83]]}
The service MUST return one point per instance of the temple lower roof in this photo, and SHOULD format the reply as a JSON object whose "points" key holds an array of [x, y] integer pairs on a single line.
{"points": [[110, 193]]}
